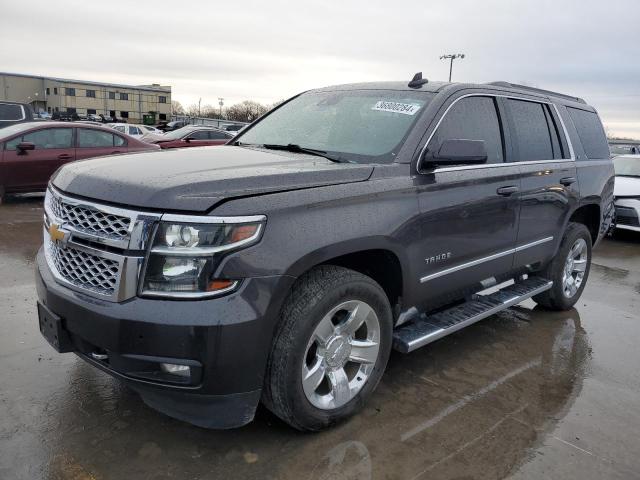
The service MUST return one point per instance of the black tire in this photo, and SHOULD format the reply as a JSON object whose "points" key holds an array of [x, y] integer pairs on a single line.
{"points": [[554, 298], [312, 296]]}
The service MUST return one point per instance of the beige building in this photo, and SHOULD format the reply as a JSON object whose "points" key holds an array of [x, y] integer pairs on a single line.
{"points": [[51, 94]]}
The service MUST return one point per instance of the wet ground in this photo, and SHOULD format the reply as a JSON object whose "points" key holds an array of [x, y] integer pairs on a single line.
{"points": [[524, 394]]}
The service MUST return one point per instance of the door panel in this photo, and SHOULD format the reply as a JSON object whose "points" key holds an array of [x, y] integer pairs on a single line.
{"points": [[468, 229], [545, 205], [97, 142], [30, 170]]}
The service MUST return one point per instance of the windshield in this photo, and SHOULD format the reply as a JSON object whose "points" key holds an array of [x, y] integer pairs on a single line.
{"points": [[366, 126], [627, 166]]}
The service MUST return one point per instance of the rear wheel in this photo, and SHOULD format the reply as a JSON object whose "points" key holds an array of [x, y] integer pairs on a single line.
{"points": [[569, 269], [330, 350]]}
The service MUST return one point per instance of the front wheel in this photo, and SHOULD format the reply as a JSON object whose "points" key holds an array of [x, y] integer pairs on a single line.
{"points": [[331, 348], [569, 269]]}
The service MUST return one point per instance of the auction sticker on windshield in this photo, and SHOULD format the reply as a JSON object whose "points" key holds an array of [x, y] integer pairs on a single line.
{"points": [[395, 107]]}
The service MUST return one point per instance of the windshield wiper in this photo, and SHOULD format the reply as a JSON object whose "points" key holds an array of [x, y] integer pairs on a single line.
{"points": [[293, 147]]}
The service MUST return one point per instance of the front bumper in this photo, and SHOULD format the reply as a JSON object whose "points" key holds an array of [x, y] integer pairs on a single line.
{"points": [[227, 341], [628, 214]]}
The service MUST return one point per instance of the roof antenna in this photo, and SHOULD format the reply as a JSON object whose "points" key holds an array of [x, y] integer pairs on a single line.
{"points": [[417, 81]]}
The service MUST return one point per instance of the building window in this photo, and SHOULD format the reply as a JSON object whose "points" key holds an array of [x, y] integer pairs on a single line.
{"points": [[70, 91], [71, 110], [91, 111], [48, 91], [124, 96], [162, 116], [55, 90], [49, 109], [91, 93], [124, 114], [162, 99], [112, 95]]}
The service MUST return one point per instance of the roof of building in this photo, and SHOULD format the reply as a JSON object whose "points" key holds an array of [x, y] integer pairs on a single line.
{"points": [[153, 87]]}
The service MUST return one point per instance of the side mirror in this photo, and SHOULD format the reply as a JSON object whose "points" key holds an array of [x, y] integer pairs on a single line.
{"points": [[24, 146], [458, 152]]}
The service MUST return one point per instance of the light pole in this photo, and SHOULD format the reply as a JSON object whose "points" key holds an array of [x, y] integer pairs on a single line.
{"points": [[451, 57], [221, 103]]}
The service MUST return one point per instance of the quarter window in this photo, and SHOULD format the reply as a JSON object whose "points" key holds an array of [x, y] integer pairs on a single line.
{"points": [[45, 139], [535, 133], [472, 118], [591, 133], [90, 138]]}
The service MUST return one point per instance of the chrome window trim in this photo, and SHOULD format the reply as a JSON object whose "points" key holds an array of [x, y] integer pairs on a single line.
{"points": [[479, 261], [503, 164]]}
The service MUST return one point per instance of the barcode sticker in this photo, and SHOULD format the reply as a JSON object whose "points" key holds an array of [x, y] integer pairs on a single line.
{"points": [[395, 107]]}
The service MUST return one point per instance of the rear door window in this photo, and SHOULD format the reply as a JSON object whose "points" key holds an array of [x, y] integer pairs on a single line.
{"points": [[89, 138], [199, 135], [215, 135], [472, 118], [45, 139], [532, 132], [591, 133]]}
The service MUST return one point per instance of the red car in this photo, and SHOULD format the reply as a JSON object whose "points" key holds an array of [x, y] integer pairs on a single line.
{"points": [[191, 136], [31, 152]]}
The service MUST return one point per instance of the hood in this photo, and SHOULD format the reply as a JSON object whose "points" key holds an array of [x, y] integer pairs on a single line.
{"points": [[195, 179], [627, 187]]}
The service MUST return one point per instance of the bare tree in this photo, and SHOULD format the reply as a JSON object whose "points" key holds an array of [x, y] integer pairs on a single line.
{"points": [[246, 111], [176, 108]]}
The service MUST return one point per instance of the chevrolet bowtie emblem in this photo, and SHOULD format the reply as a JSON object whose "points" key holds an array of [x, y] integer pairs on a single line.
{"points": [[56, 234]]}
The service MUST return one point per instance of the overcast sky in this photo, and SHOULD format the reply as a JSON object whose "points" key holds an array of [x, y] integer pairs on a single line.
{"points": [[269, 50]]}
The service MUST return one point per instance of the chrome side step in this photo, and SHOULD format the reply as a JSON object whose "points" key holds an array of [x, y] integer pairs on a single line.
{"points": [[429, 328]]}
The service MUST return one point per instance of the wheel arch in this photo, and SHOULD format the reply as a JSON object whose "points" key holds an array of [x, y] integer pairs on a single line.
{"points": [[590, 216]]}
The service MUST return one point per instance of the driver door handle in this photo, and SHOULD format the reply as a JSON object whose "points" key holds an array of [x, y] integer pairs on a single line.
{"points": [[507, 191]]}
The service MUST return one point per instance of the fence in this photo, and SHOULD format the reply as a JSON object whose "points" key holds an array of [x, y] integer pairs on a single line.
{"points": [[213, 122]]}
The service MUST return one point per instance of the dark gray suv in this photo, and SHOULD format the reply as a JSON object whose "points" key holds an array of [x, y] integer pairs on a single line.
{"points": [[350, 220]]}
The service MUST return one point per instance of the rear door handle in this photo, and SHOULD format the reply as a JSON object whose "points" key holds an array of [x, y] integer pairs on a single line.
{"points": [[64, 156], [566, 181], [507, 191]]}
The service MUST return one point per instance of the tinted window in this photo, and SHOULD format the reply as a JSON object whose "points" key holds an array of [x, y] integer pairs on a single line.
{"points": [[94, 138], [555, 134], [134, 130], [591, 133], [199, 135], [472, 118], [10, 112], [531, 130], [214, 135], [45, 139]]}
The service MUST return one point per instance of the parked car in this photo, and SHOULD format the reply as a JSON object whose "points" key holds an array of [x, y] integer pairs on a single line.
{"points": [[233, 128], [627, 192], [618, 147], [12, 113], [43, 115], [65, 116], [348, 221], [173, 125], [190, 136], [31, 152], [135, 131]]}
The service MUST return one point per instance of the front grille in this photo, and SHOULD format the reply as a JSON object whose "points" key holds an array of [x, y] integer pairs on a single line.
{"points": [[89, 220], [90, 272], [627, 216]]}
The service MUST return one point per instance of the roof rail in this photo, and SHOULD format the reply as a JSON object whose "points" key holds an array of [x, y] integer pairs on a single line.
{"points": [[537, 90]]}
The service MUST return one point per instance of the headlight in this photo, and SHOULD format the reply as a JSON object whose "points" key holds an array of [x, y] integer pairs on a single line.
{"points": [[184, 255]]}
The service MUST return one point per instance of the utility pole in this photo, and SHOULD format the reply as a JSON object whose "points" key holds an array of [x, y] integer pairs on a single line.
{"points": [[451, 57], [221, 103], [199, 102]]}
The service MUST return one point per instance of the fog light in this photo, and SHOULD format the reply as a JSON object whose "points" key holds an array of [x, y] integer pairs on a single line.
{"points": [[174, 369]]}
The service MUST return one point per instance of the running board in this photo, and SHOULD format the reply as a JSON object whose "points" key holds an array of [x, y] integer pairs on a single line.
{"points": [[429, 328]]}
